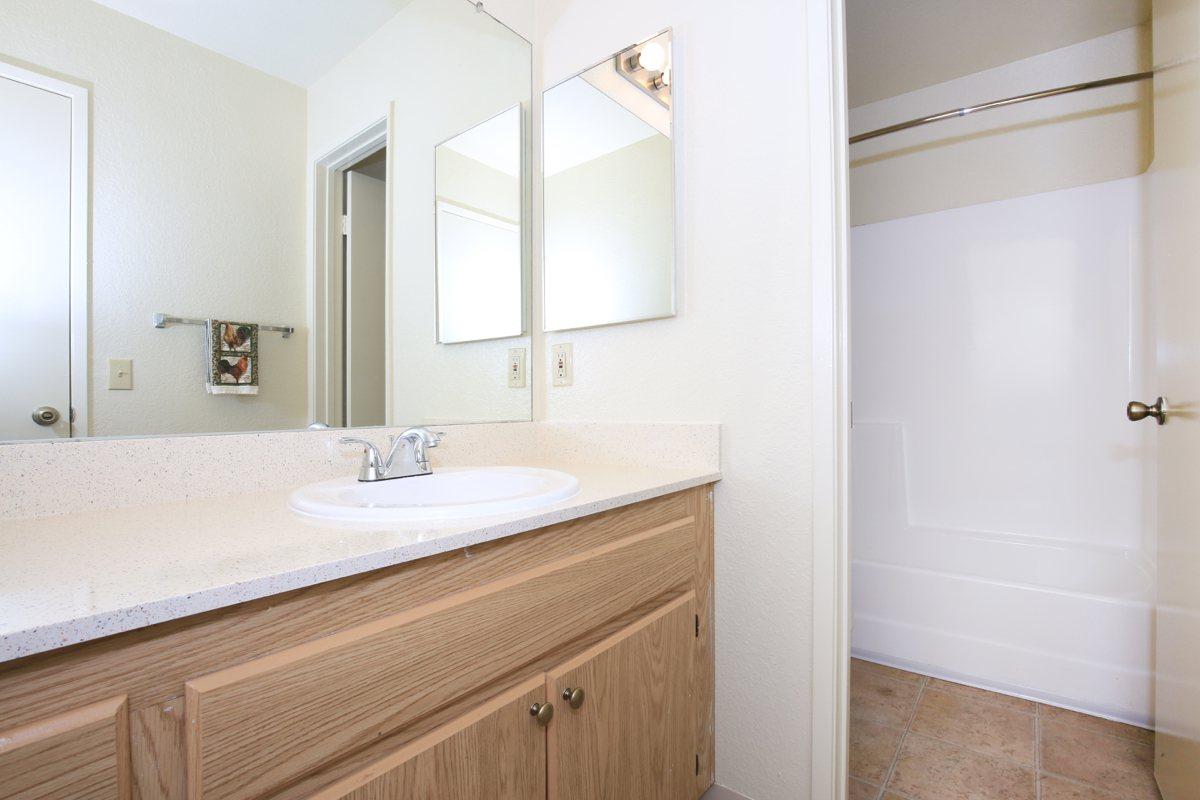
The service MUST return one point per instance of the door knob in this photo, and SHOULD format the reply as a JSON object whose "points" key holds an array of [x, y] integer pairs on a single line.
{"points": [[542, 712], [574, 697], [1138, 411], [46, 415]]}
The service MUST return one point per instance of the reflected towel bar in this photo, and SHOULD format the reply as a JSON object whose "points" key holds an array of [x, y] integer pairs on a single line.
{"points": [[1008, 101], [163, 320]]}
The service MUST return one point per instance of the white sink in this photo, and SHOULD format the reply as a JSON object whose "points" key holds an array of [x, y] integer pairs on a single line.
{"points": [[444, 496]]}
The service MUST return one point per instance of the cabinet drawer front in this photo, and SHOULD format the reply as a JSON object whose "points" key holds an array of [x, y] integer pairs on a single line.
{"points": [[494, 752], [81, 754], [256, 727]]}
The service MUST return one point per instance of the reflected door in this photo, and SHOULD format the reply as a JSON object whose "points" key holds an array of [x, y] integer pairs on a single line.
{"points": [[35, 261], [366, 360], [1174, 206]]}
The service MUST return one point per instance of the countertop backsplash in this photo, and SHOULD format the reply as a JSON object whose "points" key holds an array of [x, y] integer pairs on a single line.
{"points": [[73, 476]]}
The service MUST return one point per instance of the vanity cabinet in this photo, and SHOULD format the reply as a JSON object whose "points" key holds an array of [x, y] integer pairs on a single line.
{"points": [[414, 681]]}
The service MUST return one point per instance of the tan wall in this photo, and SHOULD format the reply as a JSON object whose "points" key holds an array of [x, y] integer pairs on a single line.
{"points": [[197, 210]]}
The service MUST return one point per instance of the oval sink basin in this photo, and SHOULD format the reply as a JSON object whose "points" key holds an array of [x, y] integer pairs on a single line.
{"points": [[445, 495]]}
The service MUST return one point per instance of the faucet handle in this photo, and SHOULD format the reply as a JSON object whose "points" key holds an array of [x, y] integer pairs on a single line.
{"points": [[372, 464]]}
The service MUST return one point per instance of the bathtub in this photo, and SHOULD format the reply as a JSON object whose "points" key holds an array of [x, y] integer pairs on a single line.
{"points": [[1050, 620]]}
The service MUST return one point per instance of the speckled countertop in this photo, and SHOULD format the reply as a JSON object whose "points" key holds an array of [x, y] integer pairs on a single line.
{"points": [[76, 577]]}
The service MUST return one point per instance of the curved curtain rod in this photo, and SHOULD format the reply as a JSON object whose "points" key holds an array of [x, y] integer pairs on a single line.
{"points": [[1008, 101]]}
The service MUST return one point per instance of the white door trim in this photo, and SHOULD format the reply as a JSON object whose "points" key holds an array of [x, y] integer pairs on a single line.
{"points": [[831, 395], [325, 380], [80, 230]]}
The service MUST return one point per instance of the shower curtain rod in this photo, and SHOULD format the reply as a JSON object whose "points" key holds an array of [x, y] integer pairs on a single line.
{"points": [[1008, 101]]}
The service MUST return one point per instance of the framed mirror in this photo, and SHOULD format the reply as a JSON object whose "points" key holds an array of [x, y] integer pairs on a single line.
{"points": [[216, 217], [609, 216]]}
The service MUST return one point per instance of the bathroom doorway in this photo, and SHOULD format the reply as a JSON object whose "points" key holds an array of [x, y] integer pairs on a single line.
{"points": [[350, 383], [364, 283], [1019, 541]]}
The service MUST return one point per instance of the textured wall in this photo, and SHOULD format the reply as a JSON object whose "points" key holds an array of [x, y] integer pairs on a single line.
{"points": [[737, 353], [1055, 143], [197, 210]]}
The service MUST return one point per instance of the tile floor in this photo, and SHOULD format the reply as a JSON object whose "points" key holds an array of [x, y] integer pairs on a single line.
{"points": [[918, 738]]}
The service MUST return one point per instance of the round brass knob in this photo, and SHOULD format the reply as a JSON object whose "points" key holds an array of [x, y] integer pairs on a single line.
{"points": [[542, 712], [1138, 411], [574, 697]]}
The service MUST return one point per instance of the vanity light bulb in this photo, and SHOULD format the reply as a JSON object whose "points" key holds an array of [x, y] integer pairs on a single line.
{"points": [[663, 81], [652, 57]]}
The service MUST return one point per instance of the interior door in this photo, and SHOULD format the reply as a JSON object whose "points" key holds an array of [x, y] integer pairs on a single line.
{"points": [[366, 372], [494, 752], [35, 261], [1174, 241], [629, 732]]}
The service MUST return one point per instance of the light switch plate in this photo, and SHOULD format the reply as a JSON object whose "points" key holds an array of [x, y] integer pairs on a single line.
{"points": [[516, 368], [562, 370], [120, 373]]}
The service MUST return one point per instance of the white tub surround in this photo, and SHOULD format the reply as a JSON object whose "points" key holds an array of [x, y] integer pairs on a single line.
{"points": [[73, 577], [1063, 622], [1000, 530]]}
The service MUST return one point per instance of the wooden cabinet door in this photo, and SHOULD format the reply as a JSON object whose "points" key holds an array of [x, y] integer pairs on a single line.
{"points": [[634, 736], [494, 752]]}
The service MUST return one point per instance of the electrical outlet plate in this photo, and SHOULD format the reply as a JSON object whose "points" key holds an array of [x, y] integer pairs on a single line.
{"points": [[516, 368], [120, 373], [562, 369]]}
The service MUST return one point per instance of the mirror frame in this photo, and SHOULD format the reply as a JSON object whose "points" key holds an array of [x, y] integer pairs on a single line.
{"points": [[675, 241]]}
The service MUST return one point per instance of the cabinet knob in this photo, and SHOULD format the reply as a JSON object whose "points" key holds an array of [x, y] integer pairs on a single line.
{"points": [[574, 697], [1139, 411], [542, 712]]}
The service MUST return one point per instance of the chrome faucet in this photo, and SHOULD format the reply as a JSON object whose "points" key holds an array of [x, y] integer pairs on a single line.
{"points": [[413, 443]]}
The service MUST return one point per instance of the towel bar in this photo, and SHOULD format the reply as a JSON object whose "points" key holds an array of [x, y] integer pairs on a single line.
{"points": [[163, 320]]}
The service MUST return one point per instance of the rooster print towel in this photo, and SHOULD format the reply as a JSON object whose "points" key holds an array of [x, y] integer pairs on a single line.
{"points": [[232, 357]]}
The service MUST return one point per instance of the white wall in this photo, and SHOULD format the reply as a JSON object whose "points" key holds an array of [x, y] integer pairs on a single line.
{"points": [[738, 352], [437, 68], [1070, 140], [197, 210], [1005, 339]]}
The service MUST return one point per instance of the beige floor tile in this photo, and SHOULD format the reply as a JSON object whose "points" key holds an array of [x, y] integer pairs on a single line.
{"points": [[1121, 766], [979, 725], [995, 698], [872, 748], [1097, 724], [931, 770], [879, 699], [1054, 788], [886, 671], [861, 790]]}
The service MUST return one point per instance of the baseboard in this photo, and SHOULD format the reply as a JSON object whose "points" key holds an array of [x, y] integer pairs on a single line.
{"points": [[721, 793]]}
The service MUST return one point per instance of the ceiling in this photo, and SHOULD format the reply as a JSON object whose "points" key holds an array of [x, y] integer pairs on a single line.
{"points": [[297, 40], [496, 142], [582, 123], [897, 46]]}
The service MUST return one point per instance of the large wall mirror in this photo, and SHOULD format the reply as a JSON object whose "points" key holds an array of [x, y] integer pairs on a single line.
{"points": [[608, 166], [252, 215]]}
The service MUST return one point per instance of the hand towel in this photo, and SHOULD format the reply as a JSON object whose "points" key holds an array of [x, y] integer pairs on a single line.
{"points": [[232, 363]]}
